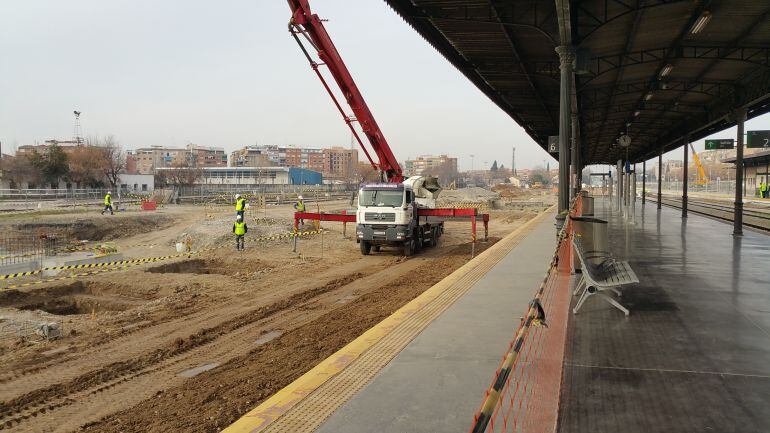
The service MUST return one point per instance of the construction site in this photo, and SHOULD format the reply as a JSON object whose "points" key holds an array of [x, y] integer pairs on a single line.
{"points": [[119, 341], [256, 294]]}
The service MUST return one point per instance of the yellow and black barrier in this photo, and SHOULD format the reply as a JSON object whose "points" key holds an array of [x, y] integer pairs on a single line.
{"points": [[121, 264], [20, 274]]}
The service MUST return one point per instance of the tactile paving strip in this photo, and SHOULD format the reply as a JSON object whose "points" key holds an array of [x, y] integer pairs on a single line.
{"points": [[305, 415]]}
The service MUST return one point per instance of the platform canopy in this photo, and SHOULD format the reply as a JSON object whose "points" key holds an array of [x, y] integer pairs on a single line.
{"points": [[654, 69]]}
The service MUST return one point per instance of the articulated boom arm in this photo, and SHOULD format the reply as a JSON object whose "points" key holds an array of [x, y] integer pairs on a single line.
{"points": [[304, 22], [702, 179]]}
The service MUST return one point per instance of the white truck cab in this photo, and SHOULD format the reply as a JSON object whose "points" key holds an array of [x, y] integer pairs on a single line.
{"points": [[387, 215]]}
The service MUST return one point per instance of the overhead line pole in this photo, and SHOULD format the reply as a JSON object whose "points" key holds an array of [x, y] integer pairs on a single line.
{"points": [[660, 178], [686, 148], [740, 118]]}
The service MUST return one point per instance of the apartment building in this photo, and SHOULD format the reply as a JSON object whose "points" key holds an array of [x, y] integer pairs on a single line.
{"points": [[333, 162], [146, 160], [426, 164]]}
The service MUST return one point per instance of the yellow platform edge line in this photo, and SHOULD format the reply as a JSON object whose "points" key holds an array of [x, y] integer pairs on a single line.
{"points": [[279, 403]]}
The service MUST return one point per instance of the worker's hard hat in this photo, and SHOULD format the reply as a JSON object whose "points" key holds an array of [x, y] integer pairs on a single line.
{"points": [[300, 197], [108, 192], [237, 196], [239, 217]]}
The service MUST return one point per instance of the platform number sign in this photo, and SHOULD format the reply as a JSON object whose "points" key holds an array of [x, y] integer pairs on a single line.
{"points": [[553, 144], [758, 139], [720, 144]]}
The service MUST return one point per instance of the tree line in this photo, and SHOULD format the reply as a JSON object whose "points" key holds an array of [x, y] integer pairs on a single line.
{"points": [[96, 164]]}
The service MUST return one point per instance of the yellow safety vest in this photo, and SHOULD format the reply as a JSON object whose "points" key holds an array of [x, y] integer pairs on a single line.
{"points": [[763, 187], [107, 200], [240, 204], [300, 206], [240, 228]]}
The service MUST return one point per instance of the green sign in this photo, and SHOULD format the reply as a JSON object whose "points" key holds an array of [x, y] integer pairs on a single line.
{"points": [[720, 144], [758, 139]]}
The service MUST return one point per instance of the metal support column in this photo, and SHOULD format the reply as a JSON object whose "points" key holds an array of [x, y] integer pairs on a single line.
{"points": [[685, 164], [660, 179], [740, 118], [644, 181], [566, 56], [633, 186], [574, 187], [620, 184]]}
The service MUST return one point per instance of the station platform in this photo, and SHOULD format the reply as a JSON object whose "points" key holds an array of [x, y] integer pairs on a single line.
{"points": [[694, 354]]}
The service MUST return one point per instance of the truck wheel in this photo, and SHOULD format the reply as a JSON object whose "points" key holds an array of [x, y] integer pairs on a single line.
{"points": [[434, 236], [365, 247], [408, 248], [376, 248]]}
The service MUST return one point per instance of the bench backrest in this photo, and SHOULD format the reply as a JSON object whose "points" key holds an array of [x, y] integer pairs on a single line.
{"points": [[594, 271]]}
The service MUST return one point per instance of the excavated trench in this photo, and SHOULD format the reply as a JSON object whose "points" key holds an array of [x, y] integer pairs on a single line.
{"points": [[212, 267], [70, 299]]}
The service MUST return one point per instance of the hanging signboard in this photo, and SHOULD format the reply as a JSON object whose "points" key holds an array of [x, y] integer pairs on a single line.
{"points": [[758, 139], [720, 144], [553, 144]]}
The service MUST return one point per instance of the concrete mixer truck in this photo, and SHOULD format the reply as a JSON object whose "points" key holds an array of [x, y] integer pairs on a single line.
{"points": [[388, 216]]}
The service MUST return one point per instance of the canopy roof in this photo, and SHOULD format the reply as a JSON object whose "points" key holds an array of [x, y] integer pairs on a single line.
{"points": [[642, 69]]}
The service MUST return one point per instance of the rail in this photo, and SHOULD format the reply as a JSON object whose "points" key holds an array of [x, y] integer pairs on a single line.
{"points": [[752, 218]]}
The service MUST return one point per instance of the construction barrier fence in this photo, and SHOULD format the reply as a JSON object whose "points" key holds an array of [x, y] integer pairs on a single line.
{"points": [[524, 394], [123, 264]]}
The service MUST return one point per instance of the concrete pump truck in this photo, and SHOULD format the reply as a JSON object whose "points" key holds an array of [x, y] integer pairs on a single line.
{"points": [[394, 212]]}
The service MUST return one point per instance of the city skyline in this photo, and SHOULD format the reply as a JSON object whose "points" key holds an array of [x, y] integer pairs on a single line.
{"points": [[192, 72]]}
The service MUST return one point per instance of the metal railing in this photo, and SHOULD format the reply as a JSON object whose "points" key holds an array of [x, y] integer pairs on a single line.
{"points": [[51, 194]]}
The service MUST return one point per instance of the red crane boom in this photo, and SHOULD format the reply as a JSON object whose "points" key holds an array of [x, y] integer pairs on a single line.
{"points": [[310, 26]]}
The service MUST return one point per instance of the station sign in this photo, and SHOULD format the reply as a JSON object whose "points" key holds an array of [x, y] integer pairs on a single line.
{"points": [[720, 144], [758, 139], [553, 144]]}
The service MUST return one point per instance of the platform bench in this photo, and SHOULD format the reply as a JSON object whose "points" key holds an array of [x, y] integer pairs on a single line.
{"points": [[608, 275]]}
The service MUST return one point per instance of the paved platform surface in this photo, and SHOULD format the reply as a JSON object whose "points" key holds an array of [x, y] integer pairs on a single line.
{"points": [[438, 381], [694, 355]]}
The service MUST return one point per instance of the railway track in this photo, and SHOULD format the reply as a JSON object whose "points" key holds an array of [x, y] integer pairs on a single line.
{"points": [[752, 217]]}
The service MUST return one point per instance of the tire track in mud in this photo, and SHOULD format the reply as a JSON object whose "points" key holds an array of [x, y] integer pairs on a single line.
{"points": [[80, 397], [29, 405], [94, 395], [108, 350]]}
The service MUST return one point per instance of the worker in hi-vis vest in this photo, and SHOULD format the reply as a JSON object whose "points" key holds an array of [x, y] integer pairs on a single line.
{"points": [[299, 206], [763, 189], [240, 206], [108, 203], [239, 228]]}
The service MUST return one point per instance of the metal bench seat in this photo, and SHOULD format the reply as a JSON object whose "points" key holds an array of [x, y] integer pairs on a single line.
{"points": [[608, 275]]}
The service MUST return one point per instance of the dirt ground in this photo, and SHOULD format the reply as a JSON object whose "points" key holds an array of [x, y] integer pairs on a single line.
{"points": [[243, 325]]}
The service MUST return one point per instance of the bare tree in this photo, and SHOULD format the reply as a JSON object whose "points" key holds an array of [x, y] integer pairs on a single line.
{"points": [[184, 174], [18, 169], [115, 159], [364, 172], [87, 166]]}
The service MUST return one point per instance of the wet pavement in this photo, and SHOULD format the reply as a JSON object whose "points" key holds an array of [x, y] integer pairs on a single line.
{"points": [[694, 355]]}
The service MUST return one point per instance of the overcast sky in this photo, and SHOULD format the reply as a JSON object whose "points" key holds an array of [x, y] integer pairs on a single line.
{"points": [[228, 74]]}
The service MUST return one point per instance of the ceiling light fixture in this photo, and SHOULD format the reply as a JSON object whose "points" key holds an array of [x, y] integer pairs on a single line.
{"points": [[636, 113], [648, 96], [666, 70], [700, 23]]}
